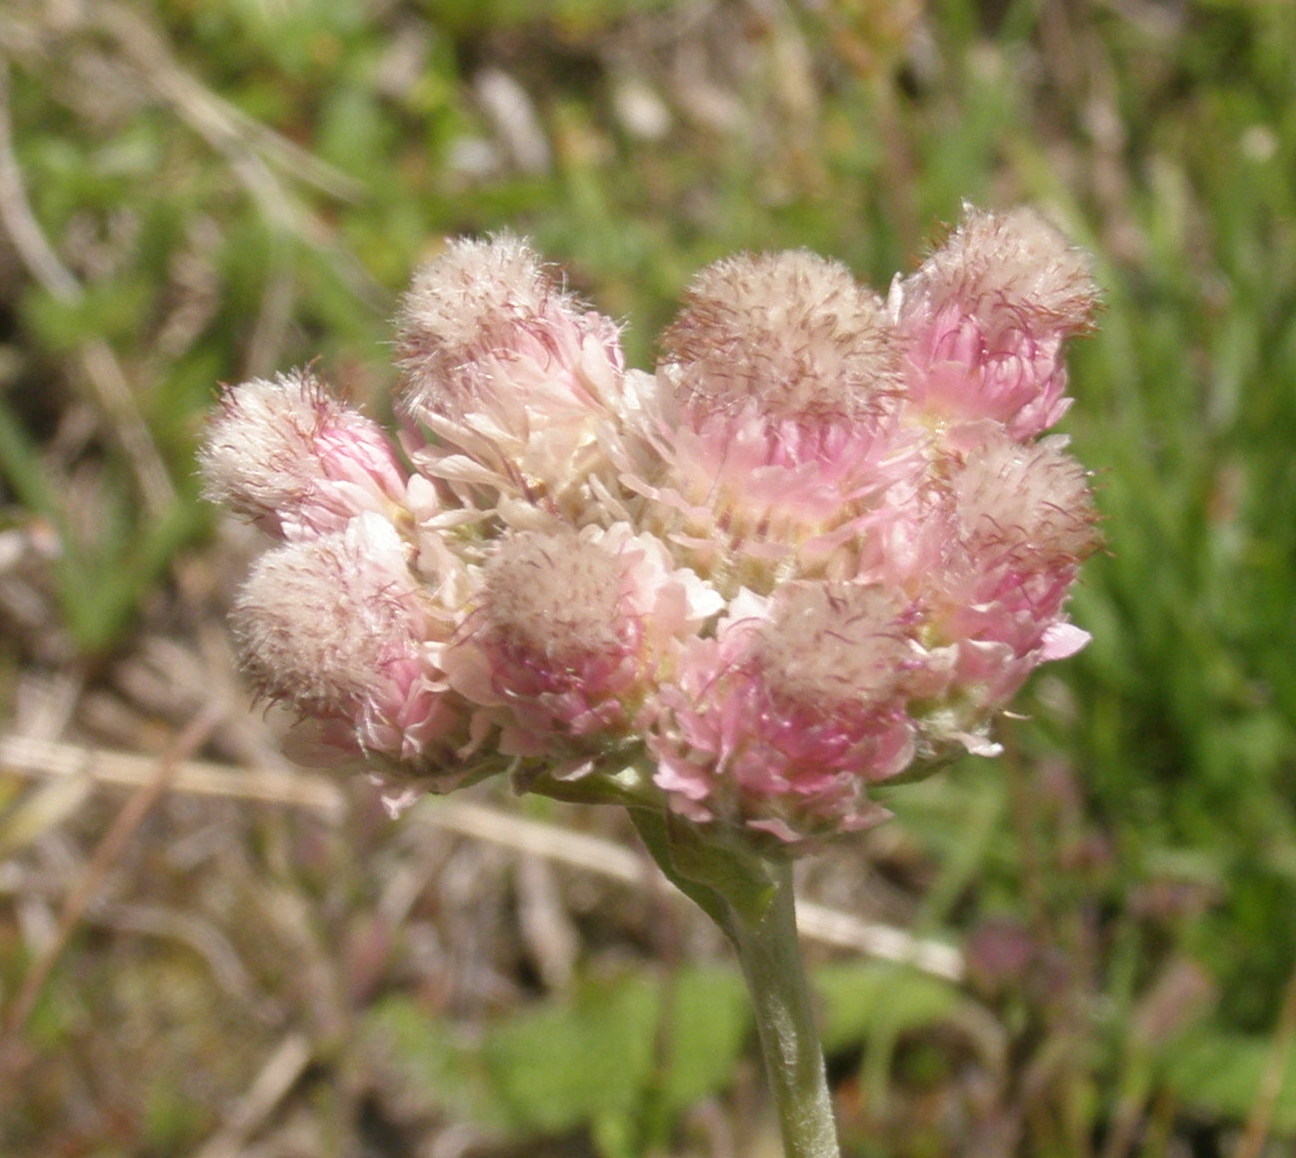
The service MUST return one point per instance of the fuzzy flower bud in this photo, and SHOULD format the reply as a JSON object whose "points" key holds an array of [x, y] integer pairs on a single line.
{"points": [[1025, 511], [787, 337], [799, 705], [842, 647], [1023, 522], [338, 627], [570, 628], [774, 424], [295, 460], [505, 368], [984, 319]]}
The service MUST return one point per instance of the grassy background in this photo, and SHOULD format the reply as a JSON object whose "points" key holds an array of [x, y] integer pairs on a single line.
{"points": [[194, 191]]}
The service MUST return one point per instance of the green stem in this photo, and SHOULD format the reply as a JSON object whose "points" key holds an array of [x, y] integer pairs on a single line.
{"points": [[747, 891], [770, 955]]}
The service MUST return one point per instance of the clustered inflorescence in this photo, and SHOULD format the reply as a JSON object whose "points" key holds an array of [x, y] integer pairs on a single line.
{"points": [[821, 546]]}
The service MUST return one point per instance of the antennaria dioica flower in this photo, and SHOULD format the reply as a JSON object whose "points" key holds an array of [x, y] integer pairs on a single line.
{"points": [[819, 548]]}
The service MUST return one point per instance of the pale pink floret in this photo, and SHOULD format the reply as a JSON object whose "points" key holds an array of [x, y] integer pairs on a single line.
{"points": [[509, 373], [289, 455], [798, 704], [752, 499], [571, 629], [771, 426], [1026, 521], [984, 319], [1017, 521], [338, 627]]}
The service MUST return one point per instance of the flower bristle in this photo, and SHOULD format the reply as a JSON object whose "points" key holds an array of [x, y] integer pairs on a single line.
{"points": [[1016, 263], [557, 595], [465, 305], [793, 331]]}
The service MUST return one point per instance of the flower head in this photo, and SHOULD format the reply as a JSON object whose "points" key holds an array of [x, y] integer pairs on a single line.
{"points": [[338, 627], [570, 629], [819, 548], [1025, 516], [984, 319], [290, 456], [559, 634], [787, 336], [771, 428], [509, 373], [798, 706]]}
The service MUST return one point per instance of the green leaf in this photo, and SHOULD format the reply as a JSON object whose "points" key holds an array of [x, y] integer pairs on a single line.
{"points": [[560, 1066], [709, 1020], [655, 834], [432, 1061], [355, 132], [862, 998], [621, 1057], [21, 467], [102, 585]]}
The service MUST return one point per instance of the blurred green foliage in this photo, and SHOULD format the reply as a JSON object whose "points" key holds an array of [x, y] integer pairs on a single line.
{"points": [[230, 187], [622, 1056]]}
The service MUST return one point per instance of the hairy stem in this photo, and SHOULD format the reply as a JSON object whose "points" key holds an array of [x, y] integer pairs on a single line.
{"points": [[770, 955]]}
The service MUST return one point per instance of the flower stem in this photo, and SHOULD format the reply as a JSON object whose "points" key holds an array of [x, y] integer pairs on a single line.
{"points": [[747, 891], [770, 956]]}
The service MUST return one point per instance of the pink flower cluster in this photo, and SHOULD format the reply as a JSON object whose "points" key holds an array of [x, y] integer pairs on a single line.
{"points": [[823, 544]]}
